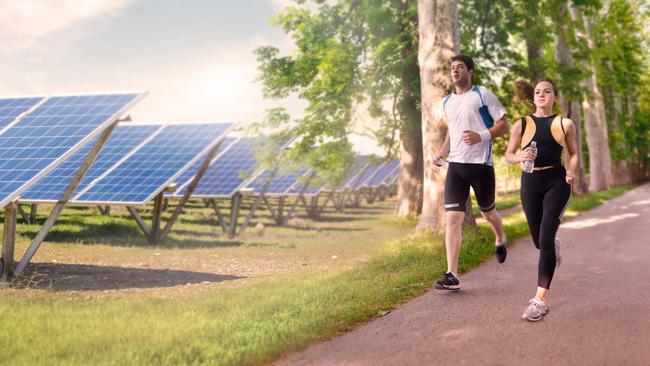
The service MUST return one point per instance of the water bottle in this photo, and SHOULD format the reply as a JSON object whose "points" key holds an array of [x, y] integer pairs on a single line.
{"points": [[530, 164], [440, 161]]}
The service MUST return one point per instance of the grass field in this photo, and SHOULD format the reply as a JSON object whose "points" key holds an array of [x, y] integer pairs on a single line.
{"points": [[100, 295]]}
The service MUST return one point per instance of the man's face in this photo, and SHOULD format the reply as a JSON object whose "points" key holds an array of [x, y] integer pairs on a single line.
{"points": [[459, 73]]}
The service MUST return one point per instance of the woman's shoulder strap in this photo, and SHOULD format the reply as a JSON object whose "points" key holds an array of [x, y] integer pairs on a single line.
{"points": [[528, 133], [557, 129]]}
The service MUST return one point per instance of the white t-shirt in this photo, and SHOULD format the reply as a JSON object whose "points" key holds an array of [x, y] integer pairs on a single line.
{"points": [[462, 112]]}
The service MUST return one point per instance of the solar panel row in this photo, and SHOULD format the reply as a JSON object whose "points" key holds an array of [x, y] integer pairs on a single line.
{"points": [[45, 131]]}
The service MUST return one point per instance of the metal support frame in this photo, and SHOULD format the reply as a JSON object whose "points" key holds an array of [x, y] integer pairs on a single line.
{"points": [[32, 213], [190, 189], [104, 210], [156, 216], [235, 205], [217, 211], [139, 221], [67, 194], [23, 214], [256, 204], [8, 241]]}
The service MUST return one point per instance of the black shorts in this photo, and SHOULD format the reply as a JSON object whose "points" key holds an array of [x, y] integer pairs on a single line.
{"points": [[462, 176]]}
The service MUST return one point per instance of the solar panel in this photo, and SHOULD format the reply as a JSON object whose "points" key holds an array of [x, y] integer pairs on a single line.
{"points": [[51, 132], [355, 171], [188, 174], [153, 166], [228, 172], [382, 173], [11, 108], [281, 183], [125, 138], [364, 175], [391, 177]]}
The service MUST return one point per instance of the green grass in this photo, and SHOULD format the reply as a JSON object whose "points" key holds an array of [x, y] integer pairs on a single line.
{"points": [[251, 323]]}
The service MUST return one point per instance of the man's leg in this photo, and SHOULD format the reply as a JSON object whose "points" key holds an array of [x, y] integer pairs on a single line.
{"points": [[494, 218], [453, 239]]}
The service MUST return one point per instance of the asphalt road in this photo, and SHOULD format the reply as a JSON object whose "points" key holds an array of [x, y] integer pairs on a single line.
{"points": [[599, 305]]}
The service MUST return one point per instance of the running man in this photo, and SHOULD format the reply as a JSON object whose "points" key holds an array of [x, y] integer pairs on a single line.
{"points": [[474, 118]]}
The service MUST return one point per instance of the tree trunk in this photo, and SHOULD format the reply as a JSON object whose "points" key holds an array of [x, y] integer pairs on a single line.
{"points": [[570, 107], [600, 158], [409, 186], [439, 41]]}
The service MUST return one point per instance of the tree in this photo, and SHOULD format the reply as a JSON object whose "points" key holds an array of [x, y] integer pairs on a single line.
{"points": [[350, 53], [593, 105], [439, 41]]}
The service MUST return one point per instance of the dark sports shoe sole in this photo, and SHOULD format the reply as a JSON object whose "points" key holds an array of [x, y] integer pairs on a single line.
{"points": [[438, 286]]}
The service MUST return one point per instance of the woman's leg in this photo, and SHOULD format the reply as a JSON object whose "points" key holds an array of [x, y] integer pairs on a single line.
{"points": [[554, 203], [532, 202]]}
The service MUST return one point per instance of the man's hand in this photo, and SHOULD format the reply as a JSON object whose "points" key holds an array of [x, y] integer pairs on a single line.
{"points": [[470, 137]]}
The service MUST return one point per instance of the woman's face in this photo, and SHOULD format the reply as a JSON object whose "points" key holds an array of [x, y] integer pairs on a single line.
{"points": [[544, 95]]}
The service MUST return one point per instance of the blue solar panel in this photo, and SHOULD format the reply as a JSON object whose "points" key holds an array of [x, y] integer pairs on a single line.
{"points": [[228, 172], [154, 165], [391, 177], [364, 175], [281, 184], [186, 176], [11, 108], [123, 140], [50, 133], [381, 174], [355, 171]]}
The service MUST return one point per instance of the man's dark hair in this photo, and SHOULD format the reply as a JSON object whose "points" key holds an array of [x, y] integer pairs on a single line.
{"points": [[469, 63]]}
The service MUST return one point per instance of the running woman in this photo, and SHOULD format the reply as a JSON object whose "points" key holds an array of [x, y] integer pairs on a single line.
{"points": [[474, 118], [546, 191]]}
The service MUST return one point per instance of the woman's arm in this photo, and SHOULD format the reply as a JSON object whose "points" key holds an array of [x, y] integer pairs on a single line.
{"points": [[570, 141], [513, 144]]}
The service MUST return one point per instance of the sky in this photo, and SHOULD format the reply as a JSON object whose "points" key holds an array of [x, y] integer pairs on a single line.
{"points": [[194, 57]]}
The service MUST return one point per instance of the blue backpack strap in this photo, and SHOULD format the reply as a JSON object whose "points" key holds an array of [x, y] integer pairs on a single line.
{"points": [[478, 91]]}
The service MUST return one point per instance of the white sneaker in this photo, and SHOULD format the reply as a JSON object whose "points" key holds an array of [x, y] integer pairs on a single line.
{"points": [[535, 310], [558, 257]]}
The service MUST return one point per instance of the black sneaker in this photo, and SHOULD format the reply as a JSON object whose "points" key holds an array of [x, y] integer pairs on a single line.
{"points": [[448, 282], [502, 253]]}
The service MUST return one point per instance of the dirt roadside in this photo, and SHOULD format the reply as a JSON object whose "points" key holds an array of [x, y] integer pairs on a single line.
{"points": [[599, 305]]}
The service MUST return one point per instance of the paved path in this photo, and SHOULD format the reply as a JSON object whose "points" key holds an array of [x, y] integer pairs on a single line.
{"points": [[599, 306]]}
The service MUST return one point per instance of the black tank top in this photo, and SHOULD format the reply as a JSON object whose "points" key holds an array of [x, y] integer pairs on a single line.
{"points": [[549, 152]]}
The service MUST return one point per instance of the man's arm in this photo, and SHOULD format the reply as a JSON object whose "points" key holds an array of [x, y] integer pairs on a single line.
{"points": [[499, 128]]}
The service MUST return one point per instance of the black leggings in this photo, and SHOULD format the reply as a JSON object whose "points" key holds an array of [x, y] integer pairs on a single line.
{"points": [[544, 197]]}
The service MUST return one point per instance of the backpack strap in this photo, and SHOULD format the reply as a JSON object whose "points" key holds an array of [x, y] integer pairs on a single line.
{"points": [[528, 131], [557, 130]]}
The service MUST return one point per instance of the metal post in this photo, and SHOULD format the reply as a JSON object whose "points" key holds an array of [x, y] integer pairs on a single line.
{"points": [[23, 214], [139, 221], [100, 208], [301, 196], [32, 213], [154, 234], [220, 217], [270, 207], [234, 214], [280, 217], [107, 209], [8, 241], [165, 204], [67, 194]]}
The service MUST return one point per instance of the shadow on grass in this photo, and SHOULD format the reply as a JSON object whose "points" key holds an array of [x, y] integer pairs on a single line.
{"points": [[79, 277], [126, 235]]}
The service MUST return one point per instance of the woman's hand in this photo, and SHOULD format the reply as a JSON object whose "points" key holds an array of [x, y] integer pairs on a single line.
{"points": [[570, 177], [527, 154]]}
